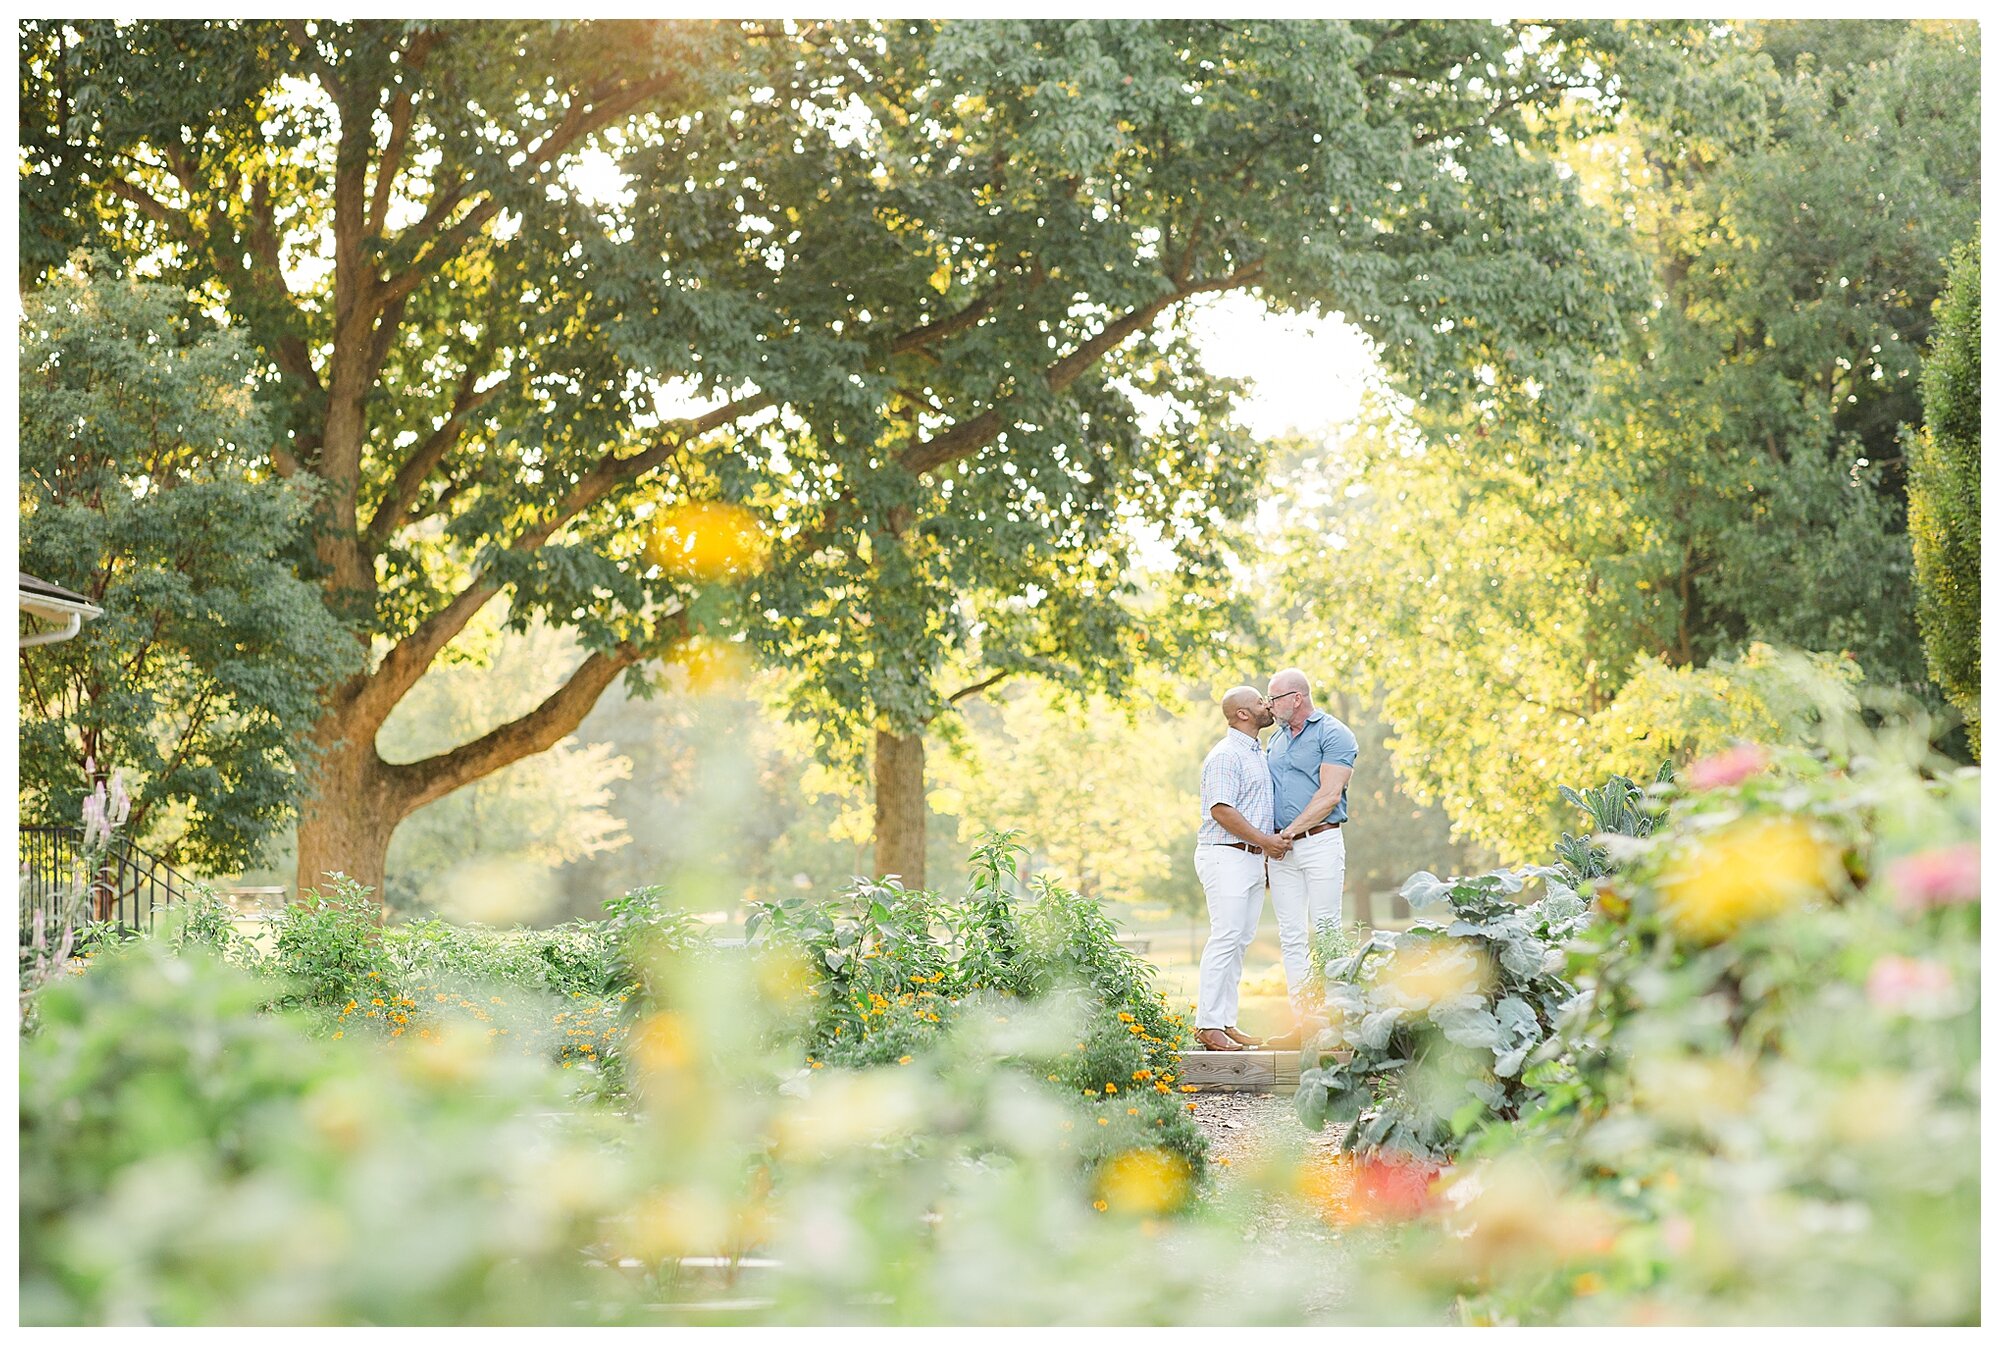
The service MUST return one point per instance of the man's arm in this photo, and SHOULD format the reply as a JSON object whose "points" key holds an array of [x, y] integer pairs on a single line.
{"points": [[1333, 778], [1237, 825]]}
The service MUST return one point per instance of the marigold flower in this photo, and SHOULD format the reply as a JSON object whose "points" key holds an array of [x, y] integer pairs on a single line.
{"points": [[1104, 1121], [1101, 1204], [902, 1060], [1131, 1112], [1110, 1088]]}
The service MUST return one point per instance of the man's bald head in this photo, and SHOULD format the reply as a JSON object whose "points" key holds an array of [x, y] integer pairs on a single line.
{"points": [[1290, 697], [1290, 680], [1243, 708], [1239, 699]]}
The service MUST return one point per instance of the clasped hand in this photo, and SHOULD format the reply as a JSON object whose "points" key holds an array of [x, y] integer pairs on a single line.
{"points": [[1278, 847]]}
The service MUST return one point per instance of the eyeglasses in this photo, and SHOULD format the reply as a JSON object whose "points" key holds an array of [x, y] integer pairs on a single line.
{"points": [[1274, 700]]}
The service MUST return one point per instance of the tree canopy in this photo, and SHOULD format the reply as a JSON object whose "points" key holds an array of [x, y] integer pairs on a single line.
{"points": [[521, 291], [1739, 478], [140, 440]]}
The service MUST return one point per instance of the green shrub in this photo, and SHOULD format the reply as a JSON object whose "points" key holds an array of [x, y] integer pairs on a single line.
{"points": [[187, 1159], [893, 970], [328, 945]]}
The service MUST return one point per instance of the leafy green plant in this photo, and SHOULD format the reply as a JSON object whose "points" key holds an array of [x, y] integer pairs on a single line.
{"points": [[1619, 807], [1766, 1102], [1432, 1025], [893, 970], [328, 944]]}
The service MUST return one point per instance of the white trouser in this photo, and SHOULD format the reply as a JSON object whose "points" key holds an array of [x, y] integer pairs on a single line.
{"points": [[1233, 881], [1305, 894]]}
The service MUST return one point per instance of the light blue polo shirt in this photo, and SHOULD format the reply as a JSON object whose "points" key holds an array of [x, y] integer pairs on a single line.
{"points": [[1295, 764]]}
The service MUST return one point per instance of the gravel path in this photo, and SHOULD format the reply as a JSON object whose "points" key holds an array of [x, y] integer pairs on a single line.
{"points": [[1239, 1126]]}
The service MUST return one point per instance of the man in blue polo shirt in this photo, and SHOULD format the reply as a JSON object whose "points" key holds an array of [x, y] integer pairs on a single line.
{"points": [[1311, 757]]}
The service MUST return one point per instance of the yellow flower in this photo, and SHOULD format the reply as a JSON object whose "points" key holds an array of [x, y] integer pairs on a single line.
{"points": [[902, 1060], [1104, 1121], [1101, 1204], [339, 1033], [376, 1001], [1131, 1112], [1143, 1182], [1187, 1088], [1748, 871], [1110, 1088], [439, 997]]}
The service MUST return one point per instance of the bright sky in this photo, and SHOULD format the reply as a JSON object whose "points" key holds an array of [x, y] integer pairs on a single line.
{"points": [[1306, 374]]}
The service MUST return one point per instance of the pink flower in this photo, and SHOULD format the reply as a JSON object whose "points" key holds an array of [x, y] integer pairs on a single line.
{"points": [[1940, 878], [1731, 766], [1907, 985]]}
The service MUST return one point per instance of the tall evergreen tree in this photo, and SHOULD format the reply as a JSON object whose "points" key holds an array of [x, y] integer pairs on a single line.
{"points": [[1944, 493]]}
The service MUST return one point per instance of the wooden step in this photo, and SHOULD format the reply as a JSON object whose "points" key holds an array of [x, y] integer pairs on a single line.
{"points": [[1246, 1072]]}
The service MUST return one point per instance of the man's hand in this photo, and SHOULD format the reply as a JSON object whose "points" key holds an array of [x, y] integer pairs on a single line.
{"points": [[1277, 847]]}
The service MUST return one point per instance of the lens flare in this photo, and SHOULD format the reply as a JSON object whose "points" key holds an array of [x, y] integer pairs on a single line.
{"points": [[707, 540]]}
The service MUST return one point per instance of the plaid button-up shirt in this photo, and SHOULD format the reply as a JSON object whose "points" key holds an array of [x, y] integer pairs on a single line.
{"points": [[1234, 773]]}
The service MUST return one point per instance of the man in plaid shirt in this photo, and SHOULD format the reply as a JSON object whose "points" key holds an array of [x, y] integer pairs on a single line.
{"points": [[1230, 850]]}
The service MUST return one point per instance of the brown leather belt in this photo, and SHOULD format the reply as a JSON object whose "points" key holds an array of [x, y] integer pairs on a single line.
{"points": [[1241, 846], [1318, 828]]}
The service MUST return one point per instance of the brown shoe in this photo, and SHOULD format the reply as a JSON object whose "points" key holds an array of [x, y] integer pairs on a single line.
{"points": [[1216, 1040], [1243, 1039], [1285, 1042]]}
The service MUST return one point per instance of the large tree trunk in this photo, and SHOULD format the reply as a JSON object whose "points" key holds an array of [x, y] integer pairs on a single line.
{"points": [[899, 806], [346, 821]]}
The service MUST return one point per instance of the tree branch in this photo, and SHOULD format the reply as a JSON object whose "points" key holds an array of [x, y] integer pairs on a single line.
{"points": [[969, 436], [176, 222], [919, 337], [407, 660], [976, 688], [583, 117], [610, 472], [402, 111], [423, 460], [557, 717]]}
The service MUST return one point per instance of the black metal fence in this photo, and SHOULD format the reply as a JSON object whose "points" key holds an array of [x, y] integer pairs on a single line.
{"points": [[128, 889]]}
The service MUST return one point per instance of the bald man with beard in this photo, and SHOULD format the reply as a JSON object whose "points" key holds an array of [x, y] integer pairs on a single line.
{"points": [[1235, 839]]}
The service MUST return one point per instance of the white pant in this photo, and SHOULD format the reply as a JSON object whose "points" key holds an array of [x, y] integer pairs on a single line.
{"points": [[1305, 894], [1233, 881]]}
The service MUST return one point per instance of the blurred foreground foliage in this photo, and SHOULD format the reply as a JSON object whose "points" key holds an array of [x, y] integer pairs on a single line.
{"points": [[1762, 1102], [1753, 1098]]}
